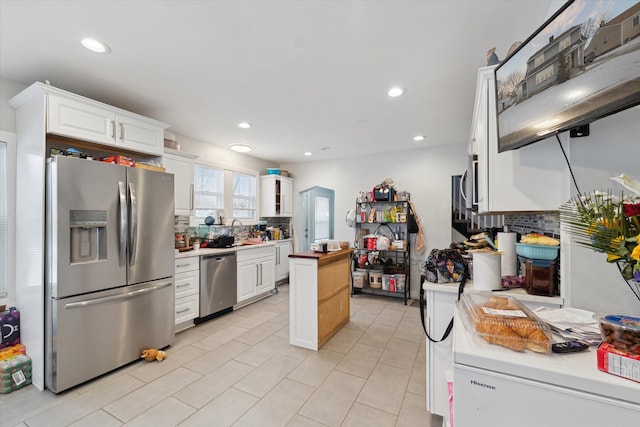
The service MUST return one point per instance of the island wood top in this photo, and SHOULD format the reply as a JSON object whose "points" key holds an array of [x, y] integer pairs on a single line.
{"points": [[323, 257]]}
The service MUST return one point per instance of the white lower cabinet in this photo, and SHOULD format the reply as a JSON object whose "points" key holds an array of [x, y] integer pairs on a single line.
{"points": [[283, 249], [187, 288], [256, 272]]}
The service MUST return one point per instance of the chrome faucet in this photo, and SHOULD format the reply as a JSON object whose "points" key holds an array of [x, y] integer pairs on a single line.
{"points": [[233, 227]]}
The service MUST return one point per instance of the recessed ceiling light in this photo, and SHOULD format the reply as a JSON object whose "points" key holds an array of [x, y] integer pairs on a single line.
{"points": [[95, 45], [395, 91], [308, 153], [418, 138], [244, 125], [241, 148]]}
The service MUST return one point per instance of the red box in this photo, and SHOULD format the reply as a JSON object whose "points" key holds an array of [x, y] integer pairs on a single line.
{"points": [[618, 362], [119, 160]]}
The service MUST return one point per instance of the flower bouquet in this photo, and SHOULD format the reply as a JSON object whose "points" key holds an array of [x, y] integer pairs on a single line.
{"points": [[609, 223]]}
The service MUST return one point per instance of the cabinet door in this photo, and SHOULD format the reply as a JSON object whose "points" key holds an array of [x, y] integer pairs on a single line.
{"points": [[247, 280], [286, 197], [269, 195], [80, 119], [182, 169], [333, 312], [439, 358], [527, 179], [282, 260], [266, 274], [139, 135]]}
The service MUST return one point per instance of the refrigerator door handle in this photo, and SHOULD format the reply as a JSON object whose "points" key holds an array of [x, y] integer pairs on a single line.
{"points": [[123, 221], [191, 197], [134, 224], [127, 295]]}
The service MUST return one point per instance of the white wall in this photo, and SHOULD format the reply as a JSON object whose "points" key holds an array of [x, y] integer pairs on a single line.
{"points": [[8, 90], [612, 148], [223, 156], [425, 173]]}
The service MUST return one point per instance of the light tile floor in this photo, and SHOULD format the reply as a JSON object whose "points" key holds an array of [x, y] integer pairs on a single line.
{"points": [[240, 370]]}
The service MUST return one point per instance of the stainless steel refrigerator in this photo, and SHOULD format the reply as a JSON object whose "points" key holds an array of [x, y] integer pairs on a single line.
{"points": [[109, 267]]}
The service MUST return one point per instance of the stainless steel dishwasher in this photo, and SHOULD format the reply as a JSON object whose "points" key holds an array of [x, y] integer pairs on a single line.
{"points": [[218, 285]]}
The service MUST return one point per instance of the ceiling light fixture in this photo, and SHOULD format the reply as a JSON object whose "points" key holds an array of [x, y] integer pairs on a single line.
{"points": [[241, 148], [418, 138], [395, 92], [244, 125], [95, 45], [308, 153]]}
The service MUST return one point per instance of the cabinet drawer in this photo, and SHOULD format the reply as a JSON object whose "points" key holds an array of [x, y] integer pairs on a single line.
{"points": [[187, 283], [187, 264], [255, 253], [186, 308]]}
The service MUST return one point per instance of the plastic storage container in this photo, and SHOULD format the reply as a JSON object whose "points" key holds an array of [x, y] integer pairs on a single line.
{"points": [[622, 332], [545, 252], [386, 278], [506, 322], [400, 282], [375, 279], [360, 278], [539, 277]]}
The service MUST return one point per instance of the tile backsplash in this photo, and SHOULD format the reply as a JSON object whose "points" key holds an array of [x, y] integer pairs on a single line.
{"points": [[547, 223]]}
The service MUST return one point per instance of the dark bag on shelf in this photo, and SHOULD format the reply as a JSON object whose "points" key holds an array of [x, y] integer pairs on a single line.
{"points": [[437, 261], [444, 266], [412, 225]]}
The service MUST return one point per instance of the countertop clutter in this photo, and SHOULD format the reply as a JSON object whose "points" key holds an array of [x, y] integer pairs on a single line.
{"points": [[213, 251], [531, 389]]}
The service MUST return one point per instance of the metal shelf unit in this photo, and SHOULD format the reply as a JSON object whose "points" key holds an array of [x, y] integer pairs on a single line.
{"points": [[391, 219]]}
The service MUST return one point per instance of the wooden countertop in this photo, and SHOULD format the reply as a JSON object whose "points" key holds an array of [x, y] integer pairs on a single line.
{"points": [[323, 257]]}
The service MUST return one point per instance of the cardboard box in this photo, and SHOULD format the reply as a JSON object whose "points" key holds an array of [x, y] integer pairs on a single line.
{"points": [[150, 167], [617, 362], [9, 328], [119, 160]]}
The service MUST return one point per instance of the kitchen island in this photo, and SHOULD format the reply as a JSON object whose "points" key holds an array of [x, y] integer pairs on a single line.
{"points": [[319, 286]]}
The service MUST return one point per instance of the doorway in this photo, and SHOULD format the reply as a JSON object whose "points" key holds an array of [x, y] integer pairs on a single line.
{"points": [[318, 208]]}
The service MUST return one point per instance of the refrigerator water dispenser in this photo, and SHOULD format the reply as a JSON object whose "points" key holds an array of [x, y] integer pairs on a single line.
{"points": [[88, 236]]}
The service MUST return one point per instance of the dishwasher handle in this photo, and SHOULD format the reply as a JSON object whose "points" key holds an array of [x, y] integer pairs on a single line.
{"points": [[216, 256]]}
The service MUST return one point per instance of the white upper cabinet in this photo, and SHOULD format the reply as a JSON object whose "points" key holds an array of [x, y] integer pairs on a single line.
{"points": [[532, 178], [276, 196], [81, 118], [181, 166], [84, 119]]}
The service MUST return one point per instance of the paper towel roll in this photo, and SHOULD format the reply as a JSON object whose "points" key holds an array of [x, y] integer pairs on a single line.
{"points": [[507, 245], [486, 271]]}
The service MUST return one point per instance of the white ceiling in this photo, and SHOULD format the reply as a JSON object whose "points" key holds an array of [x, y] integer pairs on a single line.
{"points": [[306, 74]]}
